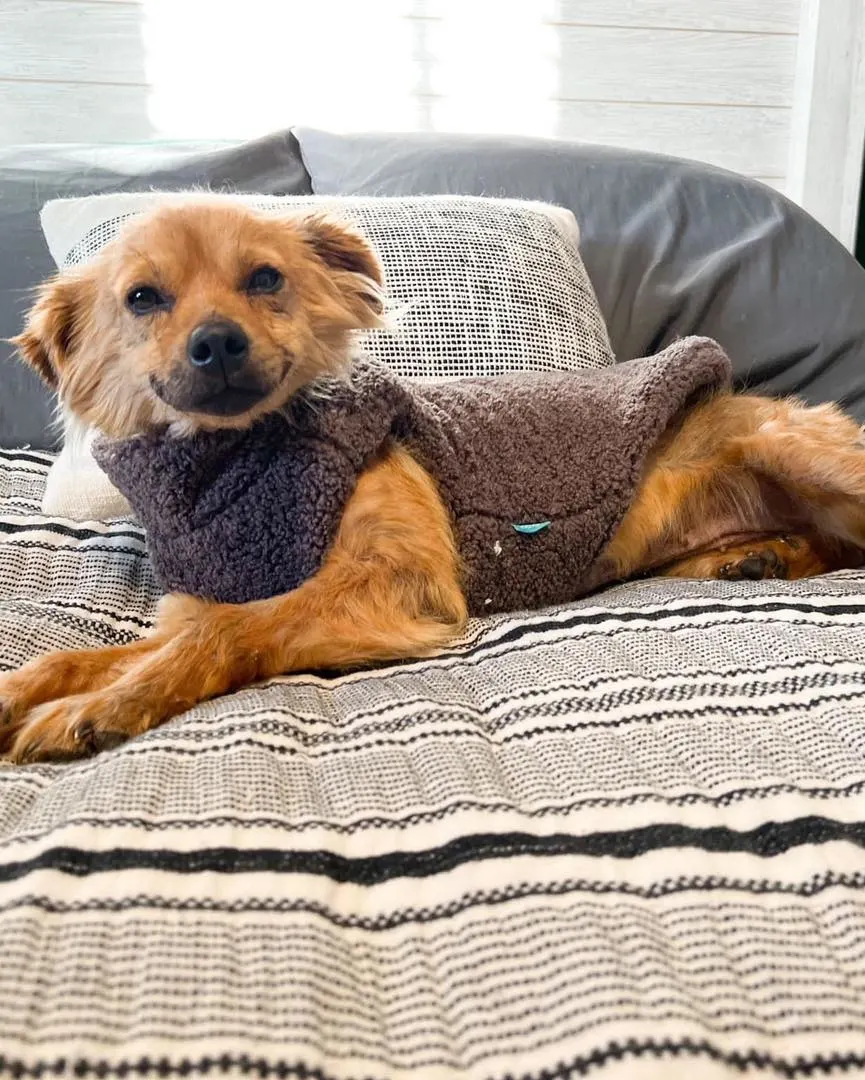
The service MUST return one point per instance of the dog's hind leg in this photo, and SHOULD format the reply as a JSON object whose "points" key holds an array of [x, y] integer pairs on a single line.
{"points": [[389, 589], [750, 467], [817, 456], [767, 557]]}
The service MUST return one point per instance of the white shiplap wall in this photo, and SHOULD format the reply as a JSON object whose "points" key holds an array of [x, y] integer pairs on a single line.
{"points": [[709, 79]]}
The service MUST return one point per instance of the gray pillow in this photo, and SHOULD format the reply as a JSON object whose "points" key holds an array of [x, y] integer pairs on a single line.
{"points": [[672, 247], [31, 175]]}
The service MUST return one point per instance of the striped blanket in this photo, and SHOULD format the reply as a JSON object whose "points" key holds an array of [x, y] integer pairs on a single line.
{"points": [[618, 839]]}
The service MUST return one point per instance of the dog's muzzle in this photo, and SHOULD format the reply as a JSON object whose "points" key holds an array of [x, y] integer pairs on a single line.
{"points": [[219, 378]]}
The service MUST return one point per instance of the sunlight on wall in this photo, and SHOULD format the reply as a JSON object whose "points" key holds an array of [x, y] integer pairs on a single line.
{"points": [[242, 69], [495, 67]]}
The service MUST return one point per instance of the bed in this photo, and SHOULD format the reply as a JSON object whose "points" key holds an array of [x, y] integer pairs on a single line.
{"points": [[622, 838]]}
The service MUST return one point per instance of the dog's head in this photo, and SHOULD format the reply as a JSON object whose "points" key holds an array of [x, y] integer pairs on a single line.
{"points": [[202, 316]]}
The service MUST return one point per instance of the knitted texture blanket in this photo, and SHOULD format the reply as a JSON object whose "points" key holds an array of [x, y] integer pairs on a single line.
{"points": [[537, 471]]}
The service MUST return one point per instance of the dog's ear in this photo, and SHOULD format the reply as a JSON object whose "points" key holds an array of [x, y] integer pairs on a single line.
{"points": [[63, 305], [353, 264]]}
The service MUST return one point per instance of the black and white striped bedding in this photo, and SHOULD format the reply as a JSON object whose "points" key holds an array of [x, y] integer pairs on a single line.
{"points": [[621, 839]]}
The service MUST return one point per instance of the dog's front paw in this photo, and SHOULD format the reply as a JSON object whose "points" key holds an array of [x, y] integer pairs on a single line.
{"points": [[72, 728], [16, 699]]}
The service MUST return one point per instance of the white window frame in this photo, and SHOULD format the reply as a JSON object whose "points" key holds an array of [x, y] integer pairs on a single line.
{"points": [[827, 133]]}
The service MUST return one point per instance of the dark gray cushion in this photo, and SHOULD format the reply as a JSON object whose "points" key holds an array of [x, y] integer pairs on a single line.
{"points": [[30, 175], [673, 247]]}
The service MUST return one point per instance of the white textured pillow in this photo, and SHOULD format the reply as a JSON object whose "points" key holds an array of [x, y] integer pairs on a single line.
{"points": [[475, 286], [76, 488]]}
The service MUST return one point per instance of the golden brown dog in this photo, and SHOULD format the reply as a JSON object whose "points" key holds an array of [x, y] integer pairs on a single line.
{"points": [[740, 487]]}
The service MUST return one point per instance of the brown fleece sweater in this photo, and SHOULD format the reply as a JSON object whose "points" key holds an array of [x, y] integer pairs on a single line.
{"points": [[537, 471]]}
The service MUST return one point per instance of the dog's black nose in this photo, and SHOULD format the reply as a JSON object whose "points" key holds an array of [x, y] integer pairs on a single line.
{"points": [[218, 347]]}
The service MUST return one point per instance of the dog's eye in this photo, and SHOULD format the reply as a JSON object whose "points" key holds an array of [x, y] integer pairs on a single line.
{"points": [[264, 279], [144, 299]]}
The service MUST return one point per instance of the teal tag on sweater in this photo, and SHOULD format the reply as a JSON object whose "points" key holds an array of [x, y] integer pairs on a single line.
{"points": [[531, 529]]}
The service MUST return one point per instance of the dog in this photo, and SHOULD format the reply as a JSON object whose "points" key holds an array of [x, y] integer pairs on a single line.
{"points": [[738, 487]]}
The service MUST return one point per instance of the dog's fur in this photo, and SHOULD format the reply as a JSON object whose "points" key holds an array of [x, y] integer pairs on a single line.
{"points": [[741, 486]]}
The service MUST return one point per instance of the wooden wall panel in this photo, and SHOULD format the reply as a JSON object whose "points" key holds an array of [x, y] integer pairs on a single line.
{"points": [[736, 83]]}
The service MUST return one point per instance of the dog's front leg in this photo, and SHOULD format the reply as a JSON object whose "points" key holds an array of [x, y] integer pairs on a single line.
{"points": [[388, 590], [219, 648], [56, 675], [190, 660]]}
